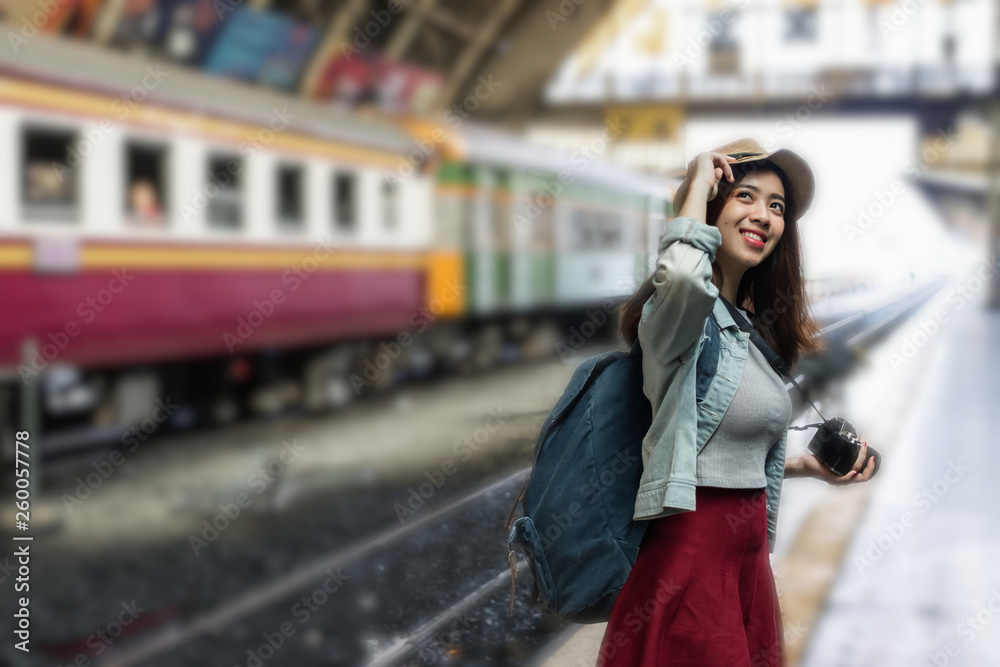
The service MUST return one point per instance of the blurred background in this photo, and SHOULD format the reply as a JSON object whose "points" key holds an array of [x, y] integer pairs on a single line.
{"points": [[288, 288]]}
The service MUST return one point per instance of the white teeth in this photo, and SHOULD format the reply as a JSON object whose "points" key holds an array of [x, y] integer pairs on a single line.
{"points": [[753, 236]]}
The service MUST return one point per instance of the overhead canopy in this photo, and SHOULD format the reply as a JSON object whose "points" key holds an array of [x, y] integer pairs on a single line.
{"points": [[449, 46]]}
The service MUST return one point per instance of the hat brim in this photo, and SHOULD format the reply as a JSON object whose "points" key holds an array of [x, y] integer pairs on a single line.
{"points": [[797, 171]]}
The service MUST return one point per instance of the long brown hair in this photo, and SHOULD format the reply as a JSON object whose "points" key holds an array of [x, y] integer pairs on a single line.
{"points": [[773, 291]]}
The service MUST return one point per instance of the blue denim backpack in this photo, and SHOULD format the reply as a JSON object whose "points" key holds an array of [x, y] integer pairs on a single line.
{"points": [[576, 531]]}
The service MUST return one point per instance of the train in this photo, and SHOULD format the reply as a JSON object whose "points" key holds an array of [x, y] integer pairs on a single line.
{"points": [[170, 238]]}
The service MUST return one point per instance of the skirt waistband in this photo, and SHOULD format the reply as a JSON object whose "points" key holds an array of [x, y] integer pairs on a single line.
{"points": [[723, 518]]}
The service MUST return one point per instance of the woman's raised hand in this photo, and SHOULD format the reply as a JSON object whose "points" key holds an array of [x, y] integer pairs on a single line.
{"points": [[708, 169]]}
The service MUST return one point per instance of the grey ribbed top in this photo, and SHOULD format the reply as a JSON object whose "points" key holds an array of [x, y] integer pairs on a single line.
{"points": [[760, 411]]}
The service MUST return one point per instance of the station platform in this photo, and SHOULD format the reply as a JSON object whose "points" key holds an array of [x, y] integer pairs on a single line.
{"points": [[920, 582], [900, 570]]}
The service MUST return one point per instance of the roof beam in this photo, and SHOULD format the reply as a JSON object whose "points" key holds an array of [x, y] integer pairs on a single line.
{"points": [[537, 41], [604, 34], [473, 51], [453, 23], [401, 40]]}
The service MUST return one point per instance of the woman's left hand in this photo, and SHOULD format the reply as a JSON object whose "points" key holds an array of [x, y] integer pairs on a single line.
{"points": [[810, 466]]}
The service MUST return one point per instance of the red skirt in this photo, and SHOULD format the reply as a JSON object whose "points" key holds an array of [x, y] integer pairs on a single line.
{"points": [[701, 593]]}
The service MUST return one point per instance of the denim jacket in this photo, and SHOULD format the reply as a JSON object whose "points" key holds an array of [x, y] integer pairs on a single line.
{"points": [[691, 368]]}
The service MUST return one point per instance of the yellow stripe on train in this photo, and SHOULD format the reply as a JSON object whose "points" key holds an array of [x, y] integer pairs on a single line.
{"points": [[97, 256]]}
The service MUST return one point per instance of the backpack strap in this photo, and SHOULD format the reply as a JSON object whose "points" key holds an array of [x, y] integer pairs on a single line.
{"points": [[773, 358], [636, 349], [511, 557], [510, 515], [512, 561], [637, 531]]}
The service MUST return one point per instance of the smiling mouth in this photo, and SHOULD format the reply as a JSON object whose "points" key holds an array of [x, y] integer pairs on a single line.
{"points": [[753, 239]]}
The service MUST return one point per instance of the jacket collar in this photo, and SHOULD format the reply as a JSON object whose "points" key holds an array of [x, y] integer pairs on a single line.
{"points": [[722, 315]]}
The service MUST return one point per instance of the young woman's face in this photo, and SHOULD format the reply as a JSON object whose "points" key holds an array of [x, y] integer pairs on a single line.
{"points": [[756, 205]]}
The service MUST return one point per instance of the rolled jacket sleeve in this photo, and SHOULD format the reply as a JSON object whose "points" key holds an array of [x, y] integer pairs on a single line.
{"points": [[673, 318]]}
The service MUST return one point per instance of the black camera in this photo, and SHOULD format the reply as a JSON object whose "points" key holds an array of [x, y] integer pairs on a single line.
{"points": [[836, 445]]}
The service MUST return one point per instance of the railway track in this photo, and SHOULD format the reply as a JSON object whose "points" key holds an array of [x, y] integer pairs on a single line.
{"points": [[261, 598]]}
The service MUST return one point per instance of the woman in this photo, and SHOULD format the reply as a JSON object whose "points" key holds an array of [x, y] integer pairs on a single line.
{"points": [[702, 593]]}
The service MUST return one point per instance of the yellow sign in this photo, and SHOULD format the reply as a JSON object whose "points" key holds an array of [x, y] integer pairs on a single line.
{"points": [[658, 122]]}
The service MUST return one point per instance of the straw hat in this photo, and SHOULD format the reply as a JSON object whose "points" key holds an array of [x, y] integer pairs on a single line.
{"points": [[797, 171]]}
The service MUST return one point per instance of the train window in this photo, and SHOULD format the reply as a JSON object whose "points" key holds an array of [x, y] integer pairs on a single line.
{"points": [[225, 192], [290, 200], [596, 230], [390, 202], [611, 230], [583, 229], [345, 192], [50, 180], [145, 168]]}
